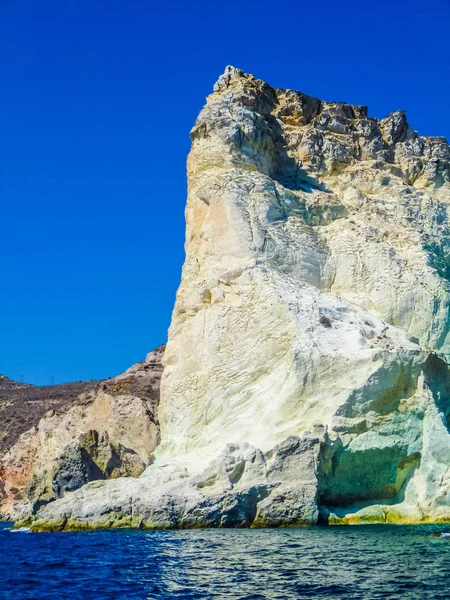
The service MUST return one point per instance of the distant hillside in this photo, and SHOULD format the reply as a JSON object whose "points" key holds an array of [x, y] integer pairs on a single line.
{"points": [[53, 439], [23, 405]]}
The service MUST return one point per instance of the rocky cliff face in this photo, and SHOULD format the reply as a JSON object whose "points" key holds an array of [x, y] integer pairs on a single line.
{"points": [[306, 373], [56, 439]]}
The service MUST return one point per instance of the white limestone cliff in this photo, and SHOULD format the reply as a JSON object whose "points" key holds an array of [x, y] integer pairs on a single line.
{"points": [[306, 372]]}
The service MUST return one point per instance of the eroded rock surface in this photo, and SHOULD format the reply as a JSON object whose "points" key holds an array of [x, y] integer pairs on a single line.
{"points": [[310, 335], [58, 438], [241, 487]]}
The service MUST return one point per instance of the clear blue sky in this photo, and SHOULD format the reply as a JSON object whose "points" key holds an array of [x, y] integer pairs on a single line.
{"points": [[96, 102]]}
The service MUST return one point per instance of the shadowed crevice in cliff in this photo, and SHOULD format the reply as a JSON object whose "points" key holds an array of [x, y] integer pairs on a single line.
{"points": [[437, 379], [438, 246], [383, 391], [287, 170], [376, 450], [359, 480], [92, 458], [351, 478]]}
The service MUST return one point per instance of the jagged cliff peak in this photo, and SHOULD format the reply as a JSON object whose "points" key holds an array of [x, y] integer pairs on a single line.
{"points": [[323, 136]]}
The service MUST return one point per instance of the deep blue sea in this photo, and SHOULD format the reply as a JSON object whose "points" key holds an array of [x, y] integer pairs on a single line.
{"points": [[319, 562]]}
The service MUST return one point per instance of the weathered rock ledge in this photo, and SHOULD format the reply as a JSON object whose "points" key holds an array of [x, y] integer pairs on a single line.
{"points": [[306, 373]]}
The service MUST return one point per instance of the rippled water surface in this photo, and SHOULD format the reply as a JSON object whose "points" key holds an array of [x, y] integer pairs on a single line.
{"points": [[334, 562]]}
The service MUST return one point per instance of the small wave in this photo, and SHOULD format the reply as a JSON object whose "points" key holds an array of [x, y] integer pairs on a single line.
{"points": [[20, 530]]}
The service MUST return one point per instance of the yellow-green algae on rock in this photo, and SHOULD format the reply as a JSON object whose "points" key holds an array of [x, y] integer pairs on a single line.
{"points": [[305, 374], [384, 514]]}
